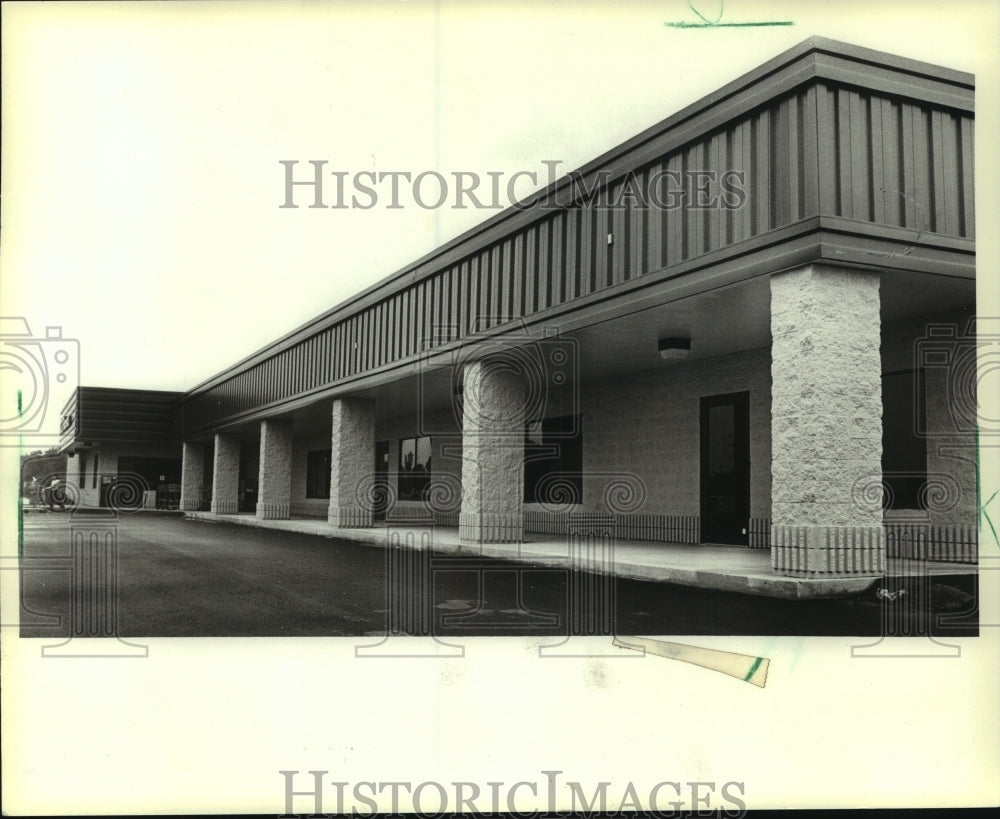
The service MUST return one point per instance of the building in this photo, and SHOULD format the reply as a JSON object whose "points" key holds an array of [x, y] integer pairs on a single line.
{"points": [[122, 447], [747, 324]]}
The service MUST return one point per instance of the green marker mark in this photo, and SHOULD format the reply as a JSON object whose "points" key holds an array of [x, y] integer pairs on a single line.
{"points": [[20, 488], [753, 669], [986, 515], [706, 23], [983, 514], [730, 25]]}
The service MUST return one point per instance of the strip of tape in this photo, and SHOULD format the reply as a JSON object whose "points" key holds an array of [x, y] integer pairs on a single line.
{"points": [[744, 667]]}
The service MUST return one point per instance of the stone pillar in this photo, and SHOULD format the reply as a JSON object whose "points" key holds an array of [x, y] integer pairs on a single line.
{"points": [[352, 461], [226, 475], [826, 423], [192, 475], [493, 421], [274, 485]]}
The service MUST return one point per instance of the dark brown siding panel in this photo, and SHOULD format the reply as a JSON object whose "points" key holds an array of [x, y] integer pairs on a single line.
{"points": [[455, 301], [892, 164], [323, 371], [391, 328], [616, 253], [827, 150], [937, 165], [639, 227], [809, 158], [433, 311], [746, 181], [672, 216], [715, 231], [341, 350], [951, 172], [876, 182], [922, 179], [519, 272], [472, 311], [583, 251], [966, 144], [462, 285], [567, 240], [860, 132], [546, 274], [843, 121], [634, 222], [531, 271], [906, 159], [727, 216], [482, 305], [417, 324], [370, 338], [656, 245], [762, 172], [416, 318], [382, 356], [444, 312], [551, 261], [506, 310], [794, 148], [782, 166], [602, 226], [688, 223]]}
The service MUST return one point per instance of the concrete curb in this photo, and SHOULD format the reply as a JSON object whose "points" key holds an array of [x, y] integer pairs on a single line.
{"points": [[546, 552]]}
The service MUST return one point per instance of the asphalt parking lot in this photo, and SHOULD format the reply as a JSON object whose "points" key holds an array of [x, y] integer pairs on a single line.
{"points": [[181, 578]]}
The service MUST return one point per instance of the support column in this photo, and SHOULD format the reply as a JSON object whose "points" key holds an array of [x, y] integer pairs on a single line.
{"points": [[352, 461], [274, 485], [494, 407], [226, 475], [192, 475], [826, 423]]}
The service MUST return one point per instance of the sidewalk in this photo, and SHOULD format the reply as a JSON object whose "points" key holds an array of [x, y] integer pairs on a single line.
{"points": [[724, 568]]}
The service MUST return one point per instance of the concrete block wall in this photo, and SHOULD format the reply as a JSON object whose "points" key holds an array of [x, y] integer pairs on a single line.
{"points": [[302, 445], [649, 424], [446, 459], [446, 446], [73, 466], [950, 435]]}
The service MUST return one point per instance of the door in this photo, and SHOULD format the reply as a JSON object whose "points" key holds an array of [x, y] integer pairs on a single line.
{"points": [[725, 468]]}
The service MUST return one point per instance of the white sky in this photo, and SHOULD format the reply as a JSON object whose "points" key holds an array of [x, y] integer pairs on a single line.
{"points": [[141, 142]]}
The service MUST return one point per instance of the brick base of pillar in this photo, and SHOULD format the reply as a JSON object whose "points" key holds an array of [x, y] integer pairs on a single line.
{"points": [[827, 551], [349, 517], [225, 507], [274, 511], [490, 528]]}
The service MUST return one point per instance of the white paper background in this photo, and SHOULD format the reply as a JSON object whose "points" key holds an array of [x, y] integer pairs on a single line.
{"points": [[140, 198]]}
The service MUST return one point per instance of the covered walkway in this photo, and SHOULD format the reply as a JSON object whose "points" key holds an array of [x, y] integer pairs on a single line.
{"points": [[724, 568]]}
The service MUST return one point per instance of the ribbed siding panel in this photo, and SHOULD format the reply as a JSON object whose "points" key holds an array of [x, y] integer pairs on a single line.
{"points": [[820, 149]]}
